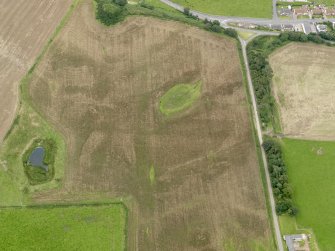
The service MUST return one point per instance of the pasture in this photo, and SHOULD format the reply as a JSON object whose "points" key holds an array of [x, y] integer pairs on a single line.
{"points": [[311, 173], [303, 85], [24, 29], [244, 8], [88, 228], [193, 180]]}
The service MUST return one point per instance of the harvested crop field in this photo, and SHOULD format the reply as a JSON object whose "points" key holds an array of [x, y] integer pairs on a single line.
{"points": [[192, 178], [304, 88], [25, 27]]}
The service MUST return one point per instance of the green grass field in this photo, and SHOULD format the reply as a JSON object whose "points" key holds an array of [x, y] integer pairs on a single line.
{"points": [[311, 171], [242, 8], [179, 98], [64, 228]]}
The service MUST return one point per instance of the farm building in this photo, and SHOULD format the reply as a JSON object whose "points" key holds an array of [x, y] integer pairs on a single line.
{"points": [[297, 242]]}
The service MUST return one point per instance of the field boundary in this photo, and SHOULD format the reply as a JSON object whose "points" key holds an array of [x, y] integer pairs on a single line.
{"points": [[258, 146]]}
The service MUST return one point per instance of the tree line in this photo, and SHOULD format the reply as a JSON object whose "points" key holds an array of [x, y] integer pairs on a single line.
{"points": [[282, 190]]}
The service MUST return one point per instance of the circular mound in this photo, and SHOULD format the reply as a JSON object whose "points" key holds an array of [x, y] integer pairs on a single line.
{"points": [[179, 98]]}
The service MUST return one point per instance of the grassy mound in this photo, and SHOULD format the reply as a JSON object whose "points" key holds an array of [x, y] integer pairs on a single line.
{"points": [[64, 228], [179, 98]]}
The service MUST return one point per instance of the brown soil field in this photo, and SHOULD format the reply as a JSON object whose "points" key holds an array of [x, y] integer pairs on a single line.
{"points": [[101, 86], [304, 88], [25, 27]]}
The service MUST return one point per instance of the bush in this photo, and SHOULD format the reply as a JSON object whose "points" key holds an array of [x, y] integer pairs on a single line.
{"points": [[282, 190], [108, 12], [147, 6], [121, 2], [213, 26], [231, 32]]}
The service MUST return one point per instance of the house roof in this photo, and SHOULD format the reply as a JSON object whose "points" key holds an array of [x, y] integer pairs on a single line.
{"points": [[285, 11], [330, 11], [302, 10], [291, 238], [317, 11]]}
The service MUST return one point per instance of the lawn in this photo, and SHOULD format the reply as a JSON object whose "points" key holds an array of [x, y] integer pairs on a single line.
{"points": [[179, 98], [311, 172], [243, 8], [64, 228]]}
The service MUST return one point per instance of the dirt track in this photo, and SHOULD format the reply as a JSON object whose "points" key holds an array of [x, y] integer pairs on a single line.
{"points": [[101, 86], [25, 26], [304, 89]]}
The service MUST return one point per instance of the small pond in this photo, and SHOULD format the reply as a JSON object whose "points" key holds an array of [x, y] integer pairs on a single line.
{"points": [[36, 158]]}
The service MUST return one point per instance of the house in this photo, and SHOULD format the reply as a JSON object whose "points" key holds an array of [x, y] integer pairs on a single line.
{"points": [[321, 28], [285, 12], [330, 11], [276, 27], [302, 11], [288, 27], [297, 242], [317, 11]]}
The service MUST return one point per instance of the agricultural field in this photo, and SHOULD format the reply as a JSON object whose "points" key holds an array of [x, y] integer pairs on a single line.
{"points": [[244, 8], [191, 177], [303, 85], [311, 173], [24, 29], [64, 228]]}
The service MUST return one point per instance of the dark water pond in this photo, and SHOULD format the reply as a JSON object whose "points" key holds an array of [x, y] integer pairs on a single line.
{"points": [[36, 158]]}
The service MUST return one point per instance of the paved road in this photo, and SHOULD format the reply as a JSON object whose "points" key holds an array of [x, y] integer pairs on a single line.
{"points": [[274, 10], [260, 139]]}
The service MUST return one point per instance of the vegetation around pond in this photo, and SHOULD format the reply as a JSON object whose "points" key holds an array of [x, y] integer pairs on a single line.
{"points": [[86, 228], [179, 98], [38, 175]]}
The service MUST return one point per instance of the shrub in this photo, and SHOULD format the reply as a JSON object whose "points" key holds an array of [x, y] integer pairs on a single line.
{"points": [[231, 32], [121, 2], [147, 6], [108, 12]]}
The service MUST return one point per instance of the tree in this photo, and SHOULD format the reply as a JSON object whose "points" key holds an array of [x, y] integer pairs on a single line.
{"points": [[187, 11], [121, 2]]}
